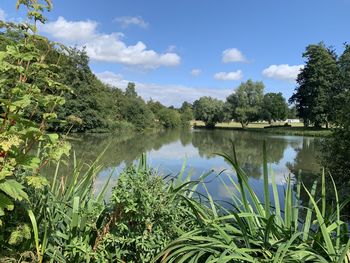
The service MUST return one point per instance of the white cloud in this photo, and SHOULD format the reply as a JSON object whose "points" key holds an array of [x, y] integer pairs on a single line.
{"points": [[196, 72], [167, 94], [235, 75], [2, 15], [108, 47], [71, 31], [127, 21], [232, 55], [111, 78], [282, 71]]}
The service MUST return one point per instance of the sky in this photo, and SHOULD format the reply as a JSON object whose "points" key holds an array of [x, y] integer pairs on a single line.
{"points": [[182, 50]]}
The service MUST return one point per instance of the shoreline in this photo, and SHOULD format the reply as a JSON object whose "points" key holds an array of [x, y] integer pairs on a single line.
{"points": [[279, 129]]}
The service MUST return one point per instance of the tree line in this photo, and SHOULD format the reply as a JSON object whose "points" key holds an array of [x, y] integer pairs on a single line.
{"points": [[246, 104], [91, 105]]}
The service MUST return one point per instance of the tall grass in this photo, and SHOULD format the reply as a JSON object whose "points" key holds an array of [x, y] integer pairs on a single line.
{"points": [[257, 230], [166, 220]]}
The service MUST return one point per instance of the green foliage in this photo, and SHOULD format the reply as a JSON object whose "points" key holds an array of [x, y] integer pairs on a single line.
{"points": [[318, 86], [90, 104], [274, 107], [245, 103], [209, 110], [130, 90], [336, 148], [135, 111], [169, 118], [292, 113], [155, 107], [263, 231], [145, 215], [29, 84], [186, 111]]}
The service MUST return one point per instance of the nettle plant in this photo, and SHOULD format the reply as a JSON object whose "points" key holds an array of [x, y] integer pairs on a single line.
{"points": [[30, 92]]}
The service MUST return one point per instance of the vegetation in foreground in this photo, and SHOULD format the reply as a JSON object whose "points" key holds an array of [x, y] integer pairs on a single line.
{"points": [[153, 219]]}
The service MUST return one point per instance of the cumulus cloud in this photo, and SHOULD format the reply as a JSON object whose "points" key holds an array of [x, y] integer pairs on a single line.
{"points": [[2, 15], [234, 75], [282, 71], [196, 72], [167, 94], [126, 21], [108, 47], [232, 55], [71, 31]]}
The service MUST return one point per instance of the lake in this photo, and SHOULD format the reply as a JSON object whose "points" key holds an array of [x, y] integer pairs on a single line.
{"points": [[167, 151]]}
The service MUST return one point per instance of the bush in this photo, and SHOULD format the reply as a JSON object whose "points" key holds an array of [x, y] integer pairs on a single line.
{"points": [[145, 216], [169, 118]]}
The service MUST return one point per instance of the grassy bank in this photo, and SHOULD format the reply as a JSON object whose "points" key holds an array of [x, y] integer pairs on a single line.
{"points": [[278, 128]]}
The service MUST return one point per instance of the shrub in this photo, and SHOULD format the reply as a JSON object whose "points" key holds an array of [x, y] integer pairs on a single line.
{"points": [[145, 215]]}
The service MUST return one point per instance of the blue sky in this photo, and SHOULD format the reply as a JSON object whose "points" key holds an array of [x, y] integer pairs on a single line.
{"points": [[184, 49]]}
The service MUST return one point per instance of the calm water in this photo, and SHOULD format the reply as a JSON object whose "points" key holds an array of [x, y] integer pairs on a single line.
{"points": [[167, 151]]}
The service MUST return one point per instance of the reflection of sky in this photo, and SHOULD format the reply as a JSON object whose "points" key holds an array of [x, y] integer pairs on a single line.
{"points": [[169, 158]]}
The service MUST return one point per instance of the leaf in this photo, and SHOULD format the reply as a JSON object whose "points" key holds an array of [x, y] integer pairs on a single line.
{"points": [[5, 203], [38, 182], [14, 189]]}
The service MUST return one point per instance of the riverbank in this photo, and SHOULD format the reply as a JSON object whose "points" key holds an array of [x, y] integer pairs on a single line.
{"points": [[278, 128]]}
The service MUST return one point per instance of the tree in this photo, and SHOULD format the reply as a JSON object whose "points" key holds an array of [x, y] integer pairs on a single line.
{"points": [[90, 99], [209, 110], [318, 85], [292, 113], [245, 103], [130, 90], [336, 148], [274, 107], [169, 118], [186, 112], [155, 107], [135, 111], [342, 106]]}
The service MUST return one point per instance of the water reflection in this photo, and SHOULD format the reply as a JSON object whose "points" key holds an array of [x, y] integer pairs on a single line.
{"points": [[168, 149]]}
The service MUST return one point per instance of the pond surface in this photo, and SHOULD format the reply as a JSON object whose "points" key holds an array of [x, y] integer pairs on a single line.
{"points": [[168, 150]]}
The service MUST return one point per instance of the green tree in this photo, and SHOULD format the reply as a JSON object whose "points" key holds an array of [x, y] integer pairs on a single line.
{"points": [[336, 148], [130, 90], [169, 118], [209, 110], [90, 99], [186, 112], [245, 103], [318, 86], [155, 107], [274, 107], [292, 113], [135, 111]]}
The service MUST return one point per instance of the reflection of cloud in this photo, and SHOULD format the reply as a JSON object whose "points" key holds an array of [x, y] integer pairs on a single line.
{"points": [[226, 191], [174, 151]]}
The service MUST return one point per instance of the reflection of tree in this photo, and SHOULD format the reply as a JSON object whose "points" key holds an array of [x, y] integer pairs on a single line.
{"points": [[121, 148], [185, 136], [306, 164], [248, 147], [306, 161]]}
